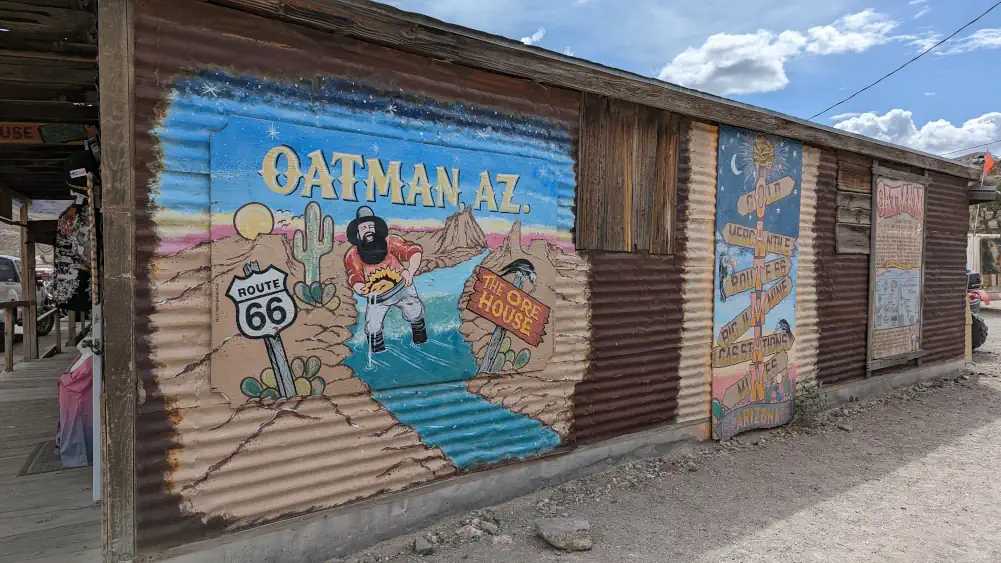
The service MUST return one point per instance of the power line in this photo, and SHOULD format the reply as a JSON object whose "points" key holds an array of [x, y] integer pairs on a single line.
{"points": [[971, 147], [923, 53]]}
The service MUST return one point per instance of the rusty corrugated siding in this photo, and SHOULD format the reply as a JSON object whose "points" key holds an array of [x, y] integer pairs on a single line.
{"points": [[194, 479], [842, 288], [642, 371], [696, 246], [807, 319], [943, 330]]}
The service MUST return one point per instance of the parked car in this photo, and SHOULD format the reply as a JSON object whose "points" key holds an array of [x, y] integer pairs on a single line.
{"points": [[10, 290]]}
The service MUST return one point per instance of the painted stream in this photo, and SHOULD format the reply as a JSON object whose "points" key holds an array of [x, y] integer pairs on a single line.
{"points": [[425, 386]]}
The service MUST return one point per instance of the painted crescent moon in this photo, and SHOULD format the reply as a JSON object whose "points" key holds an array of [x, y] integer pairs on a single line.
{"points": [[733, 166]]}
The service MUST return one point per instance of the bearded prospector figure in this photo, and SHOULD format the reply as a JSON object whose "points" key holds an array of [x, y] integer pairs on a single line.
{"points": [[376, 271]]}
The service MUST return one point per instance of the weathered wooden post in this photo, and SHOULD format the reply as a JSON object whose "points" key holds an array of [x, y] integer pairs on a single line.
{"points": [[523, 269]]}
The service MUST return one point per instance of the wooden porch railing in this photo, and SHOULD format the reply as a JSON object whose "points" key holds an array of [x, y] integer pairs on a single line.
{"points": [[56, 326], [9, 314]]}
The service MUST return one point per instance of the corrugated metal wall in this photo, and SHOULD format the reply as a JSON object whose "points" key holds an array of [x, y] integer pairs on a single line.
{"points": [[807, 319], [842, 288], [204, 465], [943, 330], [651, 321], [637, 328], [696, 243]]}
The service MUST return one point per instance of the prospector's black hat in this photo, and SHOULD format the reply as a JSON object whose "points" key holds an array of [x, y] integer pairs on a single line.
{"points": [[366, 215]]}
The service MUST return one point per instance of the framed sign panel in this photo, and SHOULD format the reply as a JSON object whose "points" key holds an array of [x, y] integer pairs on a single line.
{"points": [[896, 268]]}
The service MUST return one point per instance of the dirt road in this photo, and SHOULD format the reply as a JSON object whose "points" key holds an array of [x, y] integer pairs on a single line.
{"points": [[915, 476]]}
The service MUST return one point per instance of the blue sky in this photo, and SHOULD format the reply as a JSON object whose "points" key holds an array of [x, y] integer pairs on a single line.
{"points": [[794, 57]]}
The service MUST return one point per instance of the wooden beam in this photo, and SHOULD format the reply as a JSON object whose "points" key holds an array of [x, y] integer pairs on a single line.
{"points": [[422, 35], [46, 55], [884, 363], [899, 175], [118, 485], [29, 289], [854, 201], [46, 74], [23, 43], [852, 239], [856, 216], [12, 90], [15, 195], [6, 206], [8, 338], [34, 110], [42, 22], [58, 328]]}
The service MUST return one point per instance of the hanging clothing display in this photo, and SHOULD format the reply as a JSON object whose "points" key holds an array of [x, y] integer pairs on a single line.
{"points": [[72, 258]]}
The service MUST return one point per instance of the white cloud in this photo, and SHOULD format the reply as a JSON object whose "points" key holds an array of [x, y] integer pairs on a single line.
{"points": [[755, 62], [916, 2], [853, 33], [981, 39], [897, 126], [582, 2], [568, 51], [922, 42], [535, 37], [737, 64], [923, 12], [929, 93], [843, 116]]}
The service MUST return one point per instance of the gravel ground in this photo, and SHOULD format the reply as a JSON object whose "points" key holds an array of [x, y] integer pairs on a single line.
{"points": [[914, 476]]}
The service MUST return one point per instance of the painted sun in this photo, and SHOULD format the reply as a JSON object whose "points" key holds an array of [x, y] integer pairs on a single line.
{"points": [[253, 220]]}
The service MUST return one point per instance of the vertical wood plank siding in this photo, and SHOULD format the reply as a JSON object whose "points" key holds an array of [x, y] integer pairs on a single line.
{"points": [[627, 177], [842, 288]]}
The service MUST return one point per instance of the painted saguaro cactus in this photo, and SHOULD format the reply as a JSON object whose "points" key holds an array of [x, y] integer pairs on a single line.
{"points": [[309, 247]]}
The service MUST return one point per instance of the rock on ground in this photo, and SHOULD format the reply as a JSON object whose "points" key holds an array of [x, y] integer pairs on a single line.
{"points": [[566, 533], [422, 546]]}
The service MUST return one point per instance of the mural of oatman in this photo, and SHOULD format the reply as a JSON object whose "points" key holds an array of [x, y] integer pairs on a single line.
{"points": [[375, 271]]}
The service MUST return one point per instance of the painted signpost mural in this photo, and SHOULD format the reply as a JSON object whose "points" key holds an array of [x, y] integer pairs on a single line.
{"points": [[898, 228], [754, 317], [387, 271]]}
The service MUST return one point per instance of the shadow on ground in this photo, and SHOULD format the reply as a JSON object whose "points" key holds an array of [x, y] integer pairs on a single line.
{"points": [[690, 515]]}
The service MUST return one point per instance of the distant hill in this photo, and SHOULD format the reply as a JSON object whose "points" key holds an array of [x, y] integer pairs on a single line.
{"points": [[977, 159], [10, 236]]}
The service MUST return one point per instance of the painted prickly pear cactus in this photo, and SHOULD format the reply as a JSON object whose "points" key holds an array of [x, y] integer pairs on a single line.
{"points": [[305, 373], [309, 247]]}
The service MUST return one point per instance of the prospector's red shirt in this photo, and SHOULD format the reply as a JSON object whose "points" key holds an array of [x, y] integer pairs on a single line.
{"points": [[399, 250]]}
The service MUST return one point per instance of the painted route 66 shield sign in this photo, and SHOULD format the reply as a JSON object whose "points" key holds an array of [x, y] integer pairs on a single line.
{"points": [[264, 307]]}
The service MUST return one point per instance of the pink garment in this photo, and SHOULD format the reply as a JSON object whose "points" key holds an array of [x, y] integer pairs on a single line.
{"points": [[76, 414]]}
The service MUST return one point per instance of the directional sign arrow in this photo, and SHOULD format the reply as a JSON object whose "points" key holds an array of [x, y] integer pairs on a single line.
{"points": [[749, 237], [743, 280], [738, 392], [775, 191], [743, 351], [747, 318]]}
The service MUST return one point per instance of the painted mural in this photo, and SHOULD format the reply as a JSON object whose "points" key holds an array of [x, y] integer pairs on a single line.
{"points": [[387, 271], [754, 316], [898, 263]]}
